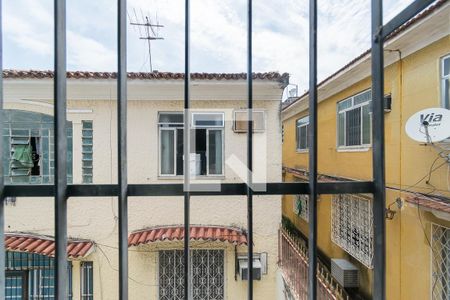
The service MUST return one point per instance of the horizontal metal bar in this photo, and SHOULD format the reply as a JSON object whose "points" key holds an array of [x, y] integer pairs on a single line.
{"points": [[226, 189], [404, 16]]}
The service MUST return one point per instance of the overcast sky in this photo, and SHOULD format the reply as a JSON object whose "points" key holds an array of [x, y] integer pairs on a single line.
{"points": [[218, 39]]}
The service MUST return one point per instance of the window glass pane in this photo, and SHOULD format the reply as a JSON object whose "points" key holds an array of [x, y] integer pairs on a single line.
{"points": [[353, 127], [446, 93], [341, 129], [207, 119], [366, 124], [215, 152], [167, 152], [344, 104], [361, 98], [303, 137], [171, 118], [303, 121], [446, 66]]}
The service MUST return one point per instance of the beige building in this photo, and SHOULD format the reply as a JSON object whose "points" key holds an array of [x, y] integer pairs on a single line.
{"points": [[155, 130]]}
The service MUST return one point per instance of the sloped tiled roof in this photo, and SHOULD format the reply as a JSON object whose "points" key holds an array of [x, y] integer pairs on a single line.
{"points": [[176, 233], [37, 74], [45, 245]]}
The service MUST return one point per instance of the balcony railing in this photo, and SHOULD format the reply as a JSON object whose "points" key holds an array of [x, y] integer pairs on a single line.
{"points": [[294, 268]]}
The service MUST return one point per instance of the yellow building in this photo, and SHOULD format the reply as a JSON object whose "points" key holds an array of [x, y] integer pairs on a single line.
{"points": [[417, 67]]}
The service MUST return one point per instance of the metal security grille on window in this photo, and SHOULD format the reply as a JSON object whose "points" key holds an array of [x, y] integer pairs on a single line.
{"points": [[207, 268], [301, 207], [440, 262], [87, 286], [31, 276], [352, 226], [87, 151], [354, 120]]}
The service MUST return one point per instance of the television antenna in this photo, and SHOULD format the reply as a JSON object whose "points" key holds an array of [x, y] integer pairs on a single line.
{"points": [[149, 32]]}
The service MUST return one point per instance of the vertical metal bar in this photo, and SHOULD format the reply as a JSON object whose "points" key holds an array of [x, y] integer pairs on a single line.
{"points": [[379, 288], [60, 98], [250, 149], [122, 147], [2, 208], [186, 150], [312, 140]]}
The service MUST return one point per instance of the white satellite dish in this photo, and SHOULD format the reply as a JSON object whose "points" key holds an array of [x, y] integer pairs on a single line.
{"points": [[429, 125]]}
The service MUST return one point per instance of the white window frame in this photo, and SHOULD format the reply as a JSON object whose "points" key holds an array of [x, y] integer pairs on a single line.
{"points": [[255, 111], [352, 107], [208, 113], [297, 132], [354, 220], [181, 126], [305, 202], [442, 78]]}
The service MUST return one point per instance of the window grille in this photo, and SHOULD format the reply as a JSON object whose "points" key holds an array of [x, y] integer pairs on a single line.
{"points": [[207, 271], [87, 151], [87, 280], [440, 246], [301, 208], [302, 127], [354, 120], [352, 226], [32, 275], [445, 81]]}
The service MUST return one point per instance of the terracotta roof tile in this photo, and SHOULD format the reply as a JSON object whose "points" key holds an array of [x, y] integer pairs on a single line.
{"points": [[429, 202], [45, 245], [37, 74], [176, 233]]}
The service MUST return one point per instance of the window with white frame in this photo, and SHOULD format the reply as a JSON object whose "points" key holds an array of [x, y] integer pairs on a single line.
{"points": [[352, 226], [440, 268], [301, 207], [87, 145], [206, 155], [354, 120], [207, 269], [445, 81], [87, 280], [301, 132]]}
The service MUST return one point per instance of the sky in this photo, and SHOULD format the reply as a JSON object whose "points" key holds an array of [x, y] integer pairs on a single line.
{"points": [[218, 35]]}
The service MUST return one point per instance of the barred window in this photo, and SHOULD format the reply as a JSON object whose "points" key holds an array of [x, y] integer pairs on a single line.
{"points": [[207, 267], [301, 132], [352, 226], [87, 280], [87, 151], [354, 120], [440, 244], [301, 207]]}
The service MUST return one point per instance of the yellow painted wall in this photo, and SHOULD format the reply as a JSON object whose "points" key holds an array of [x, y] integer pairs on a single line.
{"points": [[414, 85]]}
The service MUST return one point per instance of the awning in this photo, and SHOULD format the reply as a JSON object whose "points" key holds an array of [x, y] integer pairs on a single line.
{"points": [[45, 245], [176, 233]]}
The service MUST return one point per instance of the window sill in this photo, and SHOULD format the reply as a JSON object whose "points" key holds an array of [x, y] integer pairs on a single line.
{"points": [[354, 149], [302, 150], [203, 177]]}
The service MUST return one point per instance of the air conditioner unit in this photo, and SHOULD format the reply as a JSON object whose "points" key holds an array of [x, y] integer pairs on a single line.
{"points": [[345, 273], [243, 269]]}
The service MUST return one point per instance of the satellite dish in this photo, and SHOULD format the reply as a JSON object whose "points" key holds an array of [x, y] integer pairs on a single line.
{"points": [[429, 125]]}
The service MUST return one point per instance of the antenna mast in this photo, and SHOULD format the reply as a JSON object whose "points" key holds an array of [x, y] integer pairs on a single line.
{"points": [[150, 32]]}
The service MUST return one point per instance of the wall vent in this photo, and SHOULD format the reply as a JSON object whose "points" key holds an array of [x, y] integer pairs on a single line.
{"points": [[345, 273]]}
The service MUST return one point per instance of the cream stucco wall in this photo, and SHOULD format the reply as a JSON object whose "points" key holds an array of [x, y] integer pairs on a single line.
{"points": [[96, 218]]}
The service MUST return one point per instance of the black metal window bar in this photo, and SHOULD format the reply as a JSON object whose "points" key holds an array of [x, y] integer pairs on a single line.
{"points": [[61, 190]]}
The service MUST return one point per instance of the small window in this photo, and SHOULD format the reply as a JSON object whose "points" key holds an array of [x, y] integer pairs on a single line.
{"points": [[354, 120], [87, 280], [302, 127], [445, 82], [25, 155], [301, 207], [240, 123], [87, 151], [352, 226], [200, 120]]}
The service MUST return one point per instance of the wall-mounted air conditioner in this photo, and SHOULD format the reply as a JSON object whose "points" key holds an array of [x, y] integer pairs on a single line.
{"points": [[259, 265], [345, 273]]}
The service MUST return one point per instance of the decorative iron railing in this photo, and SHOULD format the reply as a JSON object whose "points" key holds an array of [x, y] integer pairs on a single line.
{"points": [[293, 261]]}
